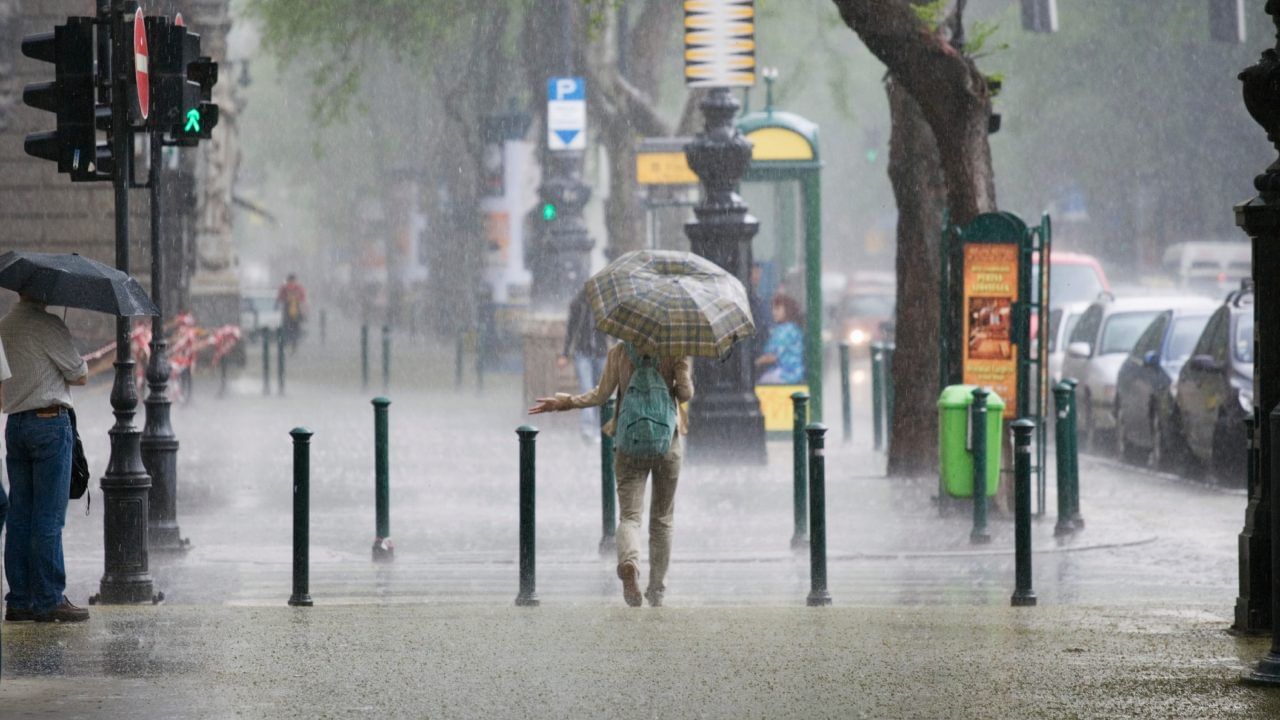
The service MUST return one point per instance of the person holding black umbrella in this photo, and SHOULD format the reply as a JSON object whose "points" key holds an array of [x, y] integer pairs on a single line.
{"points": [[38, 439]]}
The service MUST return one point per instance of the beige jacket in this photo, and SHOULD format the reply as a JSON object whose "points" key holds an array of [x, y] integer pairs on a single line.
{"points": [[617, 376]]}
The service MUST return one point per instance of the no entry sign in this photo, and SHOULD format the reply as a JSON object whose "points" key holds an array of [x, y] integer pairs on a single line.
{"points": [[140, 74]]}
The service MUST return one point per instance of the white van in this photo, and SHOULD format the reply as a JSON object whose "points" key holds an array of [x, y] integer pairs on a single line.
{"points": [[1209, 267]]}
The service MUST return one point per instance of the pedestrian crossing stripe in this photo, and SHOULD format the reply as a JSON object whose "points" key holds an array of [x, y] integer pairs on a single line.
{"points": [[719, 43]]}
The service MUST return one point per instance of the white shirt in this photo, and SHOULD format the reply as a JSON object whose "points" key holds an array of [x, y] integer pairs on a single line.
{"points": [[41, 356]]}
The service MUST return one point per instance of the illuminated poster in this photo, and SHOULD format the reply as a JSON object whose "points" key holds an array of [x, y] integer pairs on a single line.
{"points": [[990, 290]]}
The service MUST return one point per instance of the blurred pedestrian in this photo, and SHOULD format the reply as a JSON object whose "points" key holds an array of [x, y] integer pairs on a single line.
{"points": [[586, 347], [633, 471], [39, 440], [783, 356], [291, 301]]}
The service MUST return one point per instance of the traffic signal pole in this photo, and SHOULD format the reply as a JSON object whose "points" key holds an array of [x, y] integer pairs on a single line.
{"points": [[126, 485], [159, 445]]}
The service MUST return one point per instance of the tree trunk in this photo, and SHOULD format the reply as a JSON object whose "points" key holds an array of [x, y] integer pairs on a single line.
{"points": [[915, 172]]}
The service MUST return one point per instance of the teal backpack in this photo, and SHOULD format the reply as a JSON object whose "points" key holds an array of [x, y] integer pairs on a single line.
{"points": [[647, 421]]}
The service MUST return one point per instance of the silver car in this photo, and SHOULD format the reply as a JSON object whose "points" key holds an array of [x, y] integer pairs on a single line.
{"points": [[1062, 320], [1098, 345]]}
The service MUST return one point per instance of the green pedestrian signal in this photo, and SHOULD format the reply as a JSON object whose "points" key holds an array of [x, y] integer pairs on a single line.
{"points": [[193, 121], [549, 211]]}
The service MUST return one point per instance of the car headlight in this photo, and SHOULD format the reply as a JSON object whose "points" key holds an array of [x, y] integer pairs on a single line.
{"points": [[857, 336]]}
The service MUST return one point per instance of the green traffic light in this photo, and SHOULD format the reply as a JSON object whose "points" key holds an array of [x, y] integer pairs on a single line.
{"points": [[193, 121], [549, 211], [872, 155]]}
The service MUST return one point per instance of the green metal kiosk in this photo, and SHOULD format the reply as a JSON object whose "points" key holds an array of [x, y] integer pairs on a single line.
{"points": [[784, 190]]}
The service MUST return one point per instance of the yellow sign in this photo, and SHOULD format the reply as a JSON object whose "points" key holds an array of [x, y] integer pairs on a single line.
{"points": [[774, 143], [776, 405], [664, 168], [719, 43], [990, 357]]}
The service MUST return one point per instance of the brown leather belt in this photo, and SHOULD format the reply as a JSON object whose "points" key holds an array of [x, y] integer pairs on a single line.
{"points": [[51, 411]]}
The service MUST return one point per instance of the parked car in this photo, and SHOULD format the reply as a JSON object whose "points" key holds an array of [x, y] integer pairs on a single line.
{"points": [[258, 312], [1144, 398], [1073, 278], [1214, 392], [1210, 267], [1099, 344], [1062, 320]]}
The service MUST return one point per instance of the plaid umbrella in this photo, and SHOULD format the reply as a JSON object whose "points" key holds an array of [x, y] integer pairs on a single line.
{"points": [[671, 304]]}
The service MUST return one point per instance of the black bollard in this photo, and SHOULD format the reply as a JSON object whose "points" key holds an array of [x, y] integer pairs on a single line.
{"points": [[608, 486], [1062, 455], [324, 326], [1023, 595], [364, 356], [222, 377], [818, 594], [1073, 425], [301, 517], [280, 362], [978, 434], [266, 361], [846, 394], [386, 357], [383, 549], [877, 395], [887, 383], [528, 596], [800, 469], [480, 346]]}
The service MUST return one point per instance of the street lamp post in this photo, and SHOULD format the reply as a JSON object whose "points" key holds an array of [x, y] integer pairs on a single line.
{"points": [[126, 485], [1260, 218], [725, 412]]}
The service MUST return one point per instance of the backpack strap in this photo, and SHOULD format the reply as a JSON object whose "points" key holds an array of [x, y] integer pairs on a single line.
{"points": [[636, 360]]}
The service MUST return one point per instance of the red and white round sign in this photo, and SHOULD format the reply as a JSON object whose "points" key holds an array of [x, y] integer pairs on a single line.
{"points": [[140, 74]]}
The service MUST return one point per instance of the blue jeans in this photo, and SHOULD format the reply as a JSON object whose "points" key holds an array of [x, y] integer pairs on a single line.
{"points": [[590, 368], [39, 464]]}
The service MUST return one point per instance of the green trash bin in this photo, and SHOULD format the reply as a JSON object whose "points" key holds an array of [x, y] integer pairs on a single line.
{"points": [[954, 454]]}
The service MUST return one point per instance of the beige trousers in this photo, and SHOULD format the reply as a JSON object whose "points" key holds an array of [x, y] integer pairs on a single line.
{"points": [[632, 472]]}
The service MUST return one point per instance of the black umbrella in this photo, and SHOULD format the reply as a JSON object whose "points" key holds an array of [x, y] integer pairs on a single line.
{"points": [[74, 281]]}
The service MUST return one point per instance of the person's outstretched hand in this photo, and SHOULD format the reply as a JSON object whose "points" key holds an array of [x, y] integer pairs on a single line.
{"points": [[544, 405]]}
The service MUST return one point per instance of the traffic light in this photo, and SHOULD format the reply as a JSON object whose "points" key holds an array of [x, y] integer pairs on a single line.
{"points": [[199, 113], [549, 211], [182, 83], [73, 145]]}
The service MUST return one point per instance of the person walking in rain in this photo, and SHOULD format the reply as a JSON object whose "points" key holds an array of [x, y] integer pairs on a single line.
{"points": [[292, 303], [39, 440], [633, 471]]}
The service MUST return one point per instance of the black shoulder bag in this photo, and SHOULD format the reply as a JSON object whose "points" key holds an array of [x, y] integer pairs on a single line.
{"points": [[79, 464]]}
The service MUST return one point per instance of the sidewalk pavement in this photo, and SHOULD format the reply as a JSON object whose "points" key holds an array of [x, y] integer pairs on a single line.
{"points": [[1131, 612]]}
